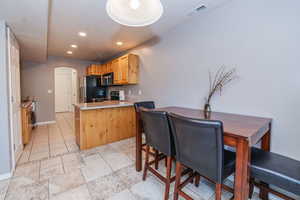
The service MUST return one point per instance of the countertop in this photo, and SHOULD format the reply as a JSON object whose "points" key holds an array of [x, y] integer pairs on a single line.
{"points": [[104, 104]]}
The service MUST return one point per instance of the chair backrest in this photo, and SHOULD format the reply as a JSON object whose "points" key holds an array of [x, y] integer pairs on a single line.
{"points": [[199, 145], [144, 104], [138, 106], [158, 131]]}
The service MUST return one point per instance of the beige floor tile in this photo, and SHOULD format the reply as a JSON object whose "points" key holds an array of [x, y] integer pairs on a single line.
{"points": [[24, 157], [58, 151], [72, 147], [51, 167], [116, 159], [105, 187], [38, 156], [72, 162], [92, 165], [124, 195], [129, 175], [62, 183], [26, 189], [130, 153], [40, 149], [3, 188], [79, 193], [151, 189], [205, 190], [29, 170]]}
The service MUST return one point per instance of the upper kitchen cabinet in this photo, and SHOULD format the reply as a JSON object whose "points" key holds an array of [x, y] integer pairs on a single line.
{"points": [[124, 68], [127, 72], [93, 69], [116, 70]]}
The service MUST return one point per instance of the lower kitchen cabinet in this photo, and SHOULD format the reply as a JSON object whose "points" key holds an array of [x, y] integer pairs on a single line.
{"points": [[26, 122], [97, 127]]}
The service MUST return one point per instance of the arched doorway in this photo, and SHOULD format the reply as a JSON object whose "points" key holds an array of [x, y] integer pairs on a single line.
{"points": [[66, 89]]}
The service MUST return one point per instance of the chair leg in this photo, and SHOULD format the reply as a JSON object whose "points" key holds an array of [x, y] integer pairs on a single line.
{"points": [[264, 194], [197, 180], [177, 179], [191, 174], [168, 178], [218, 191], [251, 188], [146, 162], [166, 161], [156, 159]]}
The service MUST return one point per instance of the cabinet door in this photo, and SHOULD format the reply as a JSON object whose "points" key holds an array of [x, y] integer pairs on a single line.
{"points": [[98, 70], [109, 67], [124, 69], [88, 70], [104, 69], [93, 70], [116, 70]]}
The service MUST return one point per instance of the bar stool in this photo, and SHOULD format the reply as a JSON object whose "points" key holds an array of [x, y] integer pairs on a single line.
{"points": [[158, 135], [199, 145], [274, 169], [148, 105]]}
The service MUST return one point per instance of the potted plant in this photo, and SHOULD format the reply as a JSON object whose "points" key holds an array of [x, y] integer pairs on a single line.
{"points": [[216, 84]]}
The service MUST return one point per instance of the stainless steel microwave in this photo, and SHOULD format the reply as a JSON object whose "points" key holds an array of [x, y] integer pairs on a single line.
{"points": [[107, 79]]}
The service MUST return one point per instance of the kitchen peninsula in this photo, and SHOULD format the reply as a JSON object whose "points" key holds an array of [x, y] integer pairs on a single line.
{"points": [[103, 122]]}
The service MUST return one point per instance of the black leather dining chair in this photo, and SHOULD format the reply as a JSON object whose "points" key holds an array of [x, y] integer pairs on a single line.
{"points": [[158, 135], [148, 105], [274, 169], [199, 145]]}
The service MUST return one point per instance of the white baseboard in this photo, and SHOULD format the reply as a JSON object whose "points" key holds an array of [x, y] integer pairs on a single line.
{"points": [[45, 123], [5, 176]]}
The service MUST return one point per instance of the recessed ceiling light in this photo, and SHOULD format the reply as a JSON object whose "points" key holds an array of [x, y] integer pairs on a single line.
{"points": [[69, 52], [82, 34], [74, 46], [119, 43]]}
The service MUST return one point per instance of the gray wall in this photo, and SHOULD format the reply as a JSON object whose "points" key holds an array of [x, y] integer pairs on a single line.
{"points": [[5, 147], [38, 78], [259, 38]]}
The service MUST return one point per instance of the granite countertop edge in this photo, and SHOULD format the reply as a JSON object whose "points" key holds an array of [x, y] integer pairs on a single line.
{"points": [[91, 106]]}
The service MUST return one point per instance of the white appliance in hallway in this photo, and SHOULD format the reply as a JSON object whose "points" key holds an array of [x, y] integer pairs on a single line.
{"points": [[15, 95], [65, 89]]}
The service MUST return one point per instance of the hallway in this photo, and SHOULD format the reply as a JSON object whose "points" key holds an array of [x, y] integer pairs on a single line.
{"points": [[51, 140]]}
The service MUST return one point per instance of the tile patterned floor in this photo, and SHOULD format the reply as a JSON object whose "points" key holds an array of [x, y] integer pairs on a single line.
{"points": [[53, 168]]}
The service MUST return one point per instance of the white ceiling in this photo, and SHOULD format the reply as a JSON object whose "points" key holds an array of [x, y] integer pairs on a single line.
{"points": [[29, 21], [42, 34]]}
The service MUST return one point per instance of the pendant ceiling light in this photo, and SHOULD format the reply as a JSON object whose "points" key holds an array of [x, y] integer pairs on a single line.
{"points": [[134, 12]]}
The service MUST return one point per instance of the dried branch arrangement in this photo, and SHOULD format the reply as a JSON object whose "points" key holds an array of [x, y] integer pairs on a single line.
{"points": [[221, 78]]}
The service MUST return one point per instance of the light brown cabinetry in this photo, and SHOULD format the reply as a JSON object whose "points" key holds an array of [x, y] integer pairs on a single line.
{"points": [[102, 126], [93, 69], [125, 69], [26, 122]]}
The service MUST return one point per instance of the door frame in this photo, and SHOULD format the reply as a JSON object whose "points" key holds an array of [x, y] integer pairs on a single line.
{"points": [[72, 85], [14, 155]]}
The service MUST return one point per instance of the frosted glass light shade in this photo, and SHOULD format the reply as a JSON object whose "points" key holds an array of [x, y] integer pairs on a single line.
{"points": [[134, 12]]}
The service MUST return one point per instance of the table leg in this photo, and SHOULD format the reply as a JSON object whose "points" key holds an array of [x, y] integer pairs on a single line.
{"points": [[265, 145], [242, 172], [138, 154]]}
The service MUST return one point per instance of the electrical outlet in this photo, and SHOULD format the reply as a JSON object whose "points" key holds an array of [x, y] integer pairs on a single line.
{"points": [[129, 92], [140, 92]]}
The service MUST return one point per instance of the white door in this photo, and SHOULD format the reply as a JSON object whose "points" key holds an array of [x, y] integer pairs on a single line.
{"points": [[74, 87], [63, 89], [15, 95]]}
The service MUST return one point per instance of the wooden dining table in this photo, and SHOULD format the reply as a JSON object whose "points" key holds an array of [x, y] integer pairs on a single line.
{"points": [[240, 132]]}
